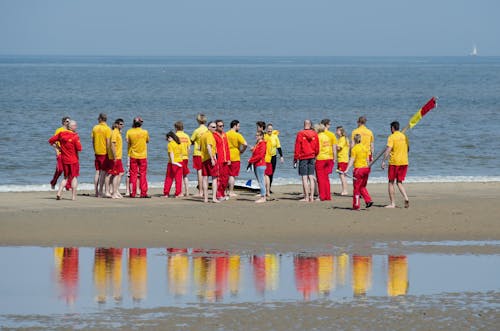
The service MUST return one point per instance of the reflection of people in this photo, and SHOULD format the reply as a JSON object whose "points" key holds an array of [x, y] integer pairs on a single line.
{"points": [[266, 272], [361, 274], [359, 159], [178, 271], [108, 273], [68, 273], [186, 145], [325, 274], [137, 140], [306, 149], [397, 282], [324, 163], [59, 167], [397, 152], [258, 160], [174, 166], [306, 275], [234, 274], [237, 146], [195, 139], [208, 148], [138, 273], [366, 135], [69, 144], [101, 135], [342, 157]]}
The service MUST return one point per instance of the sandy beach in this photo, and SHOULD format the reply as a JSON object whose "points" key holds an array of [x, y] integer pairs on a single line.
{"points": [[438, 212]]}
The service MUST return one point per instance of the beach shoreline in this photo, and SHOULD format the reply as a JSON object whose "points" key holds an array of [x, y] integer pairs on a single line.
{"points": [[438, 212]]}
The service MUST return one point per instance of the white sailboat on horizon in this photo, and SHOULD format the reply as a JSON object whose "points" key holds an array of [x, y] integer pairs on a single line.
{"points": [[474, 51]]}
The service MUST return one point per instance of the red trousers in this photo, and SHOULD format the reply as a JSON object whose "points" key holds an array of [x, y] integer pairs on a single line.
{"points": [[222, 180], [361, 175], [173, 173], [58, 172], [138, 166], [323, 168]]}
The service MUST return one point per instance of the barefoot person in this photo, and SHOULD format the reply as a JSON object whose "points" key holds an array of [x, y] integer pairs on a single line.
{"points": [[59, 167], [397, 152], [69, 144], [359, 159], [306, 150], [258, 160], [175, 151], [208, 148], [101, 135], [342, 157], [324, 162], [237, 146], [195, 140], [186, 145], [115, 159], [137, 142]]}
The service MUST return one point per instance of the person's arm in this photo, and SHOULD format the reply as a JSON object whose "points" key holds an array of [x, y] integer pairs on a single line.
{"points": [[349, 165], [387, 152], [213, 158]]}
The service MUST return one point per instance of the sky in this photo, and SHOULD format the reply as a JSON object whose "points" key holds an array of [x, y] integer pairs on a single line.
{"points": [[250, 28]]}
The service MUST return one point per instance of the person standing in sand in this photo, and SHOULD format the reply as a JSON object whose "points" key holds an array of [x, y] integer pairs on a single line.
{"points": [[101, 135], [258, 160], [324, 162], [397, 151], [175, 151], [333, 140], [237, 146], [137, 140], [342, 157], [359, 159], [115, 158], [208, 148], [59, 166], [69, 144], [305, 152], [273, 148], [186, 145], [223, 160], [195, 140], [366, 136]]}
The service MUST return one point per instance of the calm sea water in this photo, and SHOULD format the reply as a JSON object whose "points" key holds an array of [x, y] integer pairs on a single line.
{"points": [[458, 141]]}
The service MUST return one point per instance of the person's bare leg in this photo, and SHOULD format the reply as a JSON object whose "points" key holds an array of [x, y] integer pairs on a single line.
{"points": [[391, 196], [403, 192], [214, 189], [186, 185], [61, 186], [312, 181], [200, 183], [74, 185], [305, 187], [231, 186], [107, 186], [204, 191], [96, 182], [116, 185], [343, 180], [267, 180]]}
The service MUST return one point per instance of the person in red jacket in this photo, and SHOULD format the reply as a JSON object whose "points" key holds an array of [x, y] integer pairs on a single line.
{"points": [[223, 160], [306, 150], [258, 160], [69, 145]]}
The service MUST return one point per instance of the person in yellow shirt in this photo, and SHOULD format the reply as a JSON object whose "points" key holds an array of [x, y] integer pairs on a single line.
{"points": [[137, 140], [342, 157], [274, 147], [359, 159], [366, 134], [175, 151], [324, 161], [186, 145], [397, 149], [59, 165], [237, 146], [101, 135], [208, 148], [115, 158], [195, 140], [333, 140]]}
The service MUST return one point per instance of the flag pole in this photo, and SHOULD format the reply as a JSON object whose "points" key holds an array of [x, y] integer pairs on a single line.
{"points": [[411, 123]]}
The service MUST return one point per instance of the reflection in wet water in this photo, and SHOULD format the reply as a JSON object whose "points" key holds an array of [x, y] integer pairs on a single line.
{"points": [[89, 279]]}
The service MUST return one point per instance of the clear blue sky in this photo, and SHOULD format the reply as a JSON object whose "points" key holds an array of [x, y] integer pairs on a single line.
{"points": [[251, 27]]}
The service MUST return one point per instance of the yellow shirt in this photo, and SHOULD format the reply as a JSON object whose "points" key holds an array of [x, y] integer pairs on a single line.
{"points": [[116, 139], [366, 136], [100, 133], [177, 149], [343, 153], [207, 139], [196, 136], [360, 154], [332, 137], [399, 144], [235, 140], [325, 147], [137, 139], [185, 142], [273, 143]]}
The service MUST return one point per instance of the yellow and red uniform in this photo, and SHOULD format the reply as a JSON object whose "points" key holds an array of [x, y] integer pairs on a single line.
{"points": [[360, 154], [196, 139], [174, 172], [366, 134], [324, 165], [342, 153], [208, 169], [137, 139], [398, 160]]}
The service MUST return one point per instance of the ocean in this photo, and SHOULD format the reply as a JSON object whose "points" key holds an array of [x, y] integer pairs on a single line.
{"points": [[456, 142]]}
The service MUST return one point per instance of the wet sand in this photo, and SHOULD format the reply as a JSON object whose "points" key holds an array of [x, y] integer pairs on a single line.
{"points": [[438, 212]]}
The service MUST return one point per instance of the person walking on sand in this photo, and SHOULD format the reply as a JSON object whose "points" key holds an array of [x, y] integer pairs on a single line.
{"points": [[342, 157], [258, 160], [305, 152], [366, 136], [195, 140], [208, 148], [59, 166], [175, 151], [101, 135], [137, 142], [223, 160], [116, 170], [186, 145], [324, 163], [273, 148], [397, 151], [360, 160], [237, 146], [70, 146]]}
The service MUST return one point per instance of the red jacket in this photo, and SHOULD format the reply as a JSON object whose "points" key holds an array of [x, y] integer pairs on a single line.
{"points": [[259, 154], [306, 145], [222, 147], [70, 146]]}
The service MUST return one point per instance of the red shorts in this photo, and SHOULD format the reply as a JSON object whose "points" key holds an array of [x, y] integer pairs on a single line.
{"points": [[397, 173], [269, 169], [342, 166], [197, 164], [210, 170], [71, 170], [185, 167], [234, 168], [115, 167], [102, 162]]}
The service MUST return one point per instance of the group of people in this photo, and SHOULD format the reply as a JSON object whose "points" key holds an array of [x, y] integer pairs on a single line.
{"points": [[217, 154]]}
